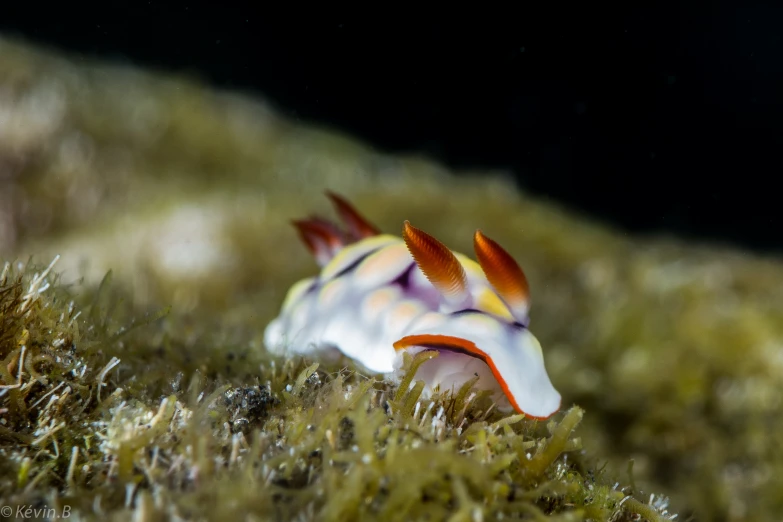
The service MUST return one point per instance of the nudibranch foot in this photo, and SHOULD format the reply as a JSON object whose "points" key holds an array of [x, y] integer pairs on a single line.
{"points": [[450, 370]]}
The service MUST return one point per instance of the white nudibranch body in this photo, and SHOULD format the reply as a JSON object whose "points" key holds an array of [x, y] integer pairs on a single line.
{"points": [[379, 295]]}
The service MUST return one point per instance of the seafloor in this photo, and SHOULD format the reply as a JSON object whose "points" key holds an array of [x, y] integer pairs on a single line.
{"points": [[144, 393]]}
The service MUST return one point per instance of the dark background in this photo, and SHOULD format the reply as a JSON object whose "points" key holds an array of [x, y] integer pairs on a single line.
{"points": [[666, 118]]}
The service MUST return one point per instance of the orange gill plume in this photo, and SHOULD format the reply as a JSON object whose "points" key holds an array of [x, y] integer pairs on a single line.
{"points": [[357, 225], [438, 263], [504, 274], [322, 238]]}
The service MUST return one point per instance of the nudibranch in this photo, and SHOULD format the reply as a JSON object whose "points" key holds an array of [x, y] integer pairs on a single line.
{"points": [[379, 295]]}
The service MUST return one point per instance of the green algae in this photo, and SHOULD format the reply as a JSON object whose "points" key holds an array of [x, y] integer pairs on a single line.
{"points": [[315, 443]]}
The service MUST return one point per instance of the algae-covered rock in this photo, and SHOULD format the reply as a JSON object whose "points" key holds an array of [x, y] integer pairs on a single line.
{"points": [[135, 384]]}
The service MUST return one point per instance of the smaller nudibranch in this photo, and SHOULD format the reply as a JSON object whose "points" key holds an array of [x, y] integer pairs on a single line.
{"points": [[378, 296]]}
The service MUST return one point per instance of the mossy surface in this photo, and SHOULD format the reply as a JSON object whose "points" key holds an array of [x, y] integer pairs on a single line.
{"points": [[99, 418], [148, 394]]}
